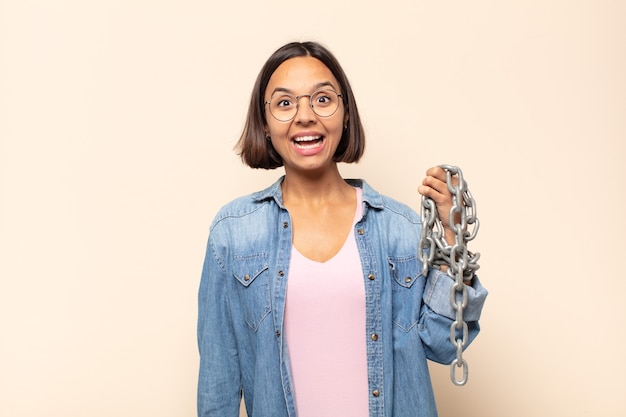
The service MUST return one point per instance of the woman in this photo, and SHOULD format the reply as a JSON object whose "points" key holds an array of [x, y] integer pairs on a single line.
{"points": [[312, 302]]}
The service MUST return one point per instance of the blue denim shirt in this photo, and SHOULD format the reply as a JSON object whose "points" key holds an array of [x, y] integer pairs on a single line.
{"points": [[242, 305]]}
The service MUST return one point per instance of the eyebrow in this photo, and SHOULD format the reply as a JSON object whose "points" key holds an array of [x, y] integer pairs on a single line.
{"points": [[315, 88]]}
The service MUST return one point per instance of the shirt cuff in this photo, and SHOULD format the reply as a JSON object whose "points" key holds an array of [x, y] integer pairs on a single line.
{"points": [[437, 296]]}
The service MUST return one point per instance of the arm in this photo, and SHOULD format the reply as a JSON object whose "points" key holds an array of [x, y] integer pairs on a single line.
{"points": [[435, 187], [437, 315], [219, 382], [438, 312]]}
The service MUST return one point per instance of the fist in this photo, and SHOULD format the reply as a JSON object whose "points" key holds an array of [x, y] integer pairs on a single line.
{"points": [[435, 187]]}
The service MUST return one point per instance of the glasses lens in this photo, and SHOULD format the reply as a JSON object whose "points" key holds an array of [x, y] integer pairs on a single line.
{"points": [[283, 107], [325, 102]]}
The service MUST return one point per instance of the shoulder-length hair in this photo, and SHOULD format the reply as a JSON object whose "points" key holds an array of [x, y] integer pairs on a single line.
{"points": [[258, 152]]}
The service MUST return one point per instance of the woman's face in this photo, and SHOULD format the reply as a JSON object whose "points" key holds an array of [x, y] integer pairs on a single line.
{"points": [[309, 140]]}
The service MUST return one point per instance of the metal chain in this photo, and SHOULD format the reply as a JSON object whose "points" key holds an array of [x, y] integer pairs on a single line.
{"points": [[434, 251]]}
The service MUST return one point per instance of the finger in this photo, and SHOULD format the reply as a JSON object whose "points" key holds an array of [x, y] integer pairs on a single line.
{"points": [[436, 183], [427, 191], [436, 172], [441, 199], [442, 175]]}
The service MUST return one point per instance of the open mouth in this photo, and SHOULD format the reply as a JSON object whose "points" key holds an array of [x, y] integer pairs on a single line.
{"points": [[308, 142]]}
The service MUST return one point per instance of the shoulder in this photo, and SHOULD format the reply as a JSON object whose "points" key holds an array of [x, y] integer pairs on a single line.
{"points": [[396, 208], [249, 207], [393, 227]]}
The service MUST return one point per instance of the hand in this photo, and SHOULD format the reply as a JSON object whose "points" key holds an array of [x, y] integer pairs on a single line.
{"points": [[435, 186]]}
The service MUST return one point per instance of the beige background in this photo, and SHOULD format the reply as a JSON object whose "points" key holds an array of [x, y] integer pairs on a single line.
{"points": [[117, 122]]}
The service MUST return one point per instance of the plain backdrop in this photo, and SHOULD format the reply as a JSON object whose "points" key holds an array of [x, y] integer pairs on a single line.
{"points": [[117, 124]]}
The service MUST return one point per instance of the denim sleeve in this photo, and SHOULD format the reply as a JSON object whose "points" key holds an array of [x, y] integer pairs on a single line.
{"points": [[438, 314], [219, 381]]}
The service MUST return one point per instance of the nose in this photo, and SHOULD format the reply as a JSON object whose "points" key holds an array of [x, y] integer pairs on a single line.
{"points": [[304, 111]]}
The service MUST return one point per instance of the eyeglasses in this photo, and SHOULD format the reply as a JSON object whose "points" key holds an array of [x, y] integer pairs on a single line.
{"points": [[284, 107]]}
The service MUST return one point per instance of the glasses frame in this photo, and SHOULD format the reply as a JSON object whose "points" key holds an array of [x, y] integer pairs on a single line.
{"points": [[297, 100]]}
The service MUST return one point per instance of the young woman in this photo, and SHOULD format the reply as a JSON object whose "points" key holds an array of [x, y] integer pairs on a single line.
{"points": [[312, 302]]}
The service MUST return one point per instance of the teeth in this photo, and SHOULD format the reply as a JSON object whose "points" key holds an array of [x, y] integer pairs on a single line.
{"points": [[307, 142], [307, 138]]}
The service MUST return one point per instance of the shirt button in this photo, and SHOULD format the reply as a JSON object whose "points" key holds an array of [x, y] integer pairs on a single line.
{"points": [[361, 231], [277, 333], [246, 277], [374, 337], [281, 273], [285, 225], [375, 393], [407, 279], [371, 277]]}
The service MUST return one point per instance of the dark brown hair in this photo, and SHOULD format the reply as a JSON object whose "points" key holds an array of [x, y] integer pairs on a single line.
{"points": [[253, 147]]}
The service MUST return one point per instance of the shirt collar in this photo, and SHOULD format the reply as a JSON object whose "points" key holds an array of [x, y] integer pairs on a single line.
{"points": [[274, 191]]}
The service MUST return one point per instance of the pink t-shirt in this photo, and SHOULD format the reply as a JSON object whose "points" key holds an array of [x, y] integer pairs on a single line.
{"points": [[325, 331]]}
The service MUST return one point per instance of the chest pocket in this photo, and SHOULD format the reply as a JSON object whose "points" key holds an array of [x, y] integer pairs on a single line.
{"points": [[253, 287], [408, 287]]}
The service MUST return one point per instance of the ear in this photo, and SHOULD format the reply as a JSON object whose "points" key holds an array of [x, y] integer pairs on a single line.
{"points": [[346, 120], [266, 132]]}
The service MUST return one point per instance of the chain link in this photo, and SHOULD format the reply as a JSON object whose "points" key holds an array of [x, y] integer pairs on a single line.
{"points": [[435, 251]]}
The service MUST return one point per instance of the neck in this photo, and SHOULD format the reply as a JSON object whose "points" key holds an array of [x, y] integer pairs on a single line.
{"points": [[314, 187]]}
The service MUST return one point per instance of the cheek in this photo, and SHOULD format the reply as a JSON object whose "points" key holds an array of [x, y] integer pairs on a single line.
{"points": [[276, 129], [336, 126]]}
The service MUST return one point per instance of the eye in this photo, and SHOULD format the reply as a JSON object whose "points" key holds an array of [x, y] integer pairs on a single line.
{"points": [[283, 101], [324, 98]]}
